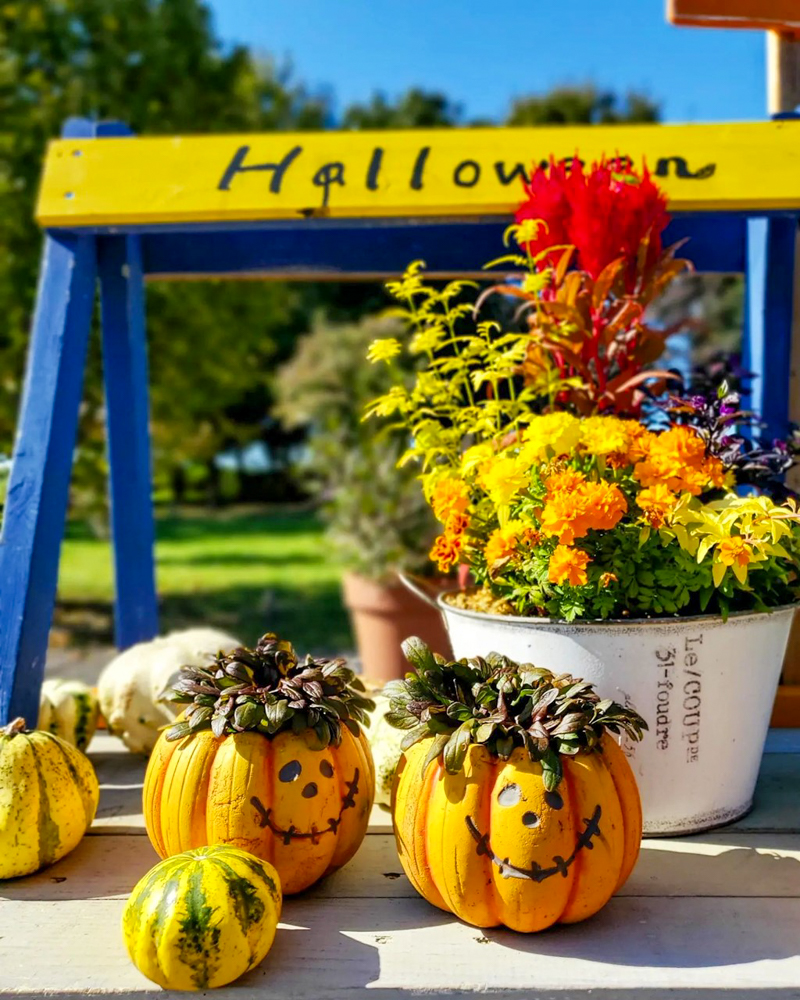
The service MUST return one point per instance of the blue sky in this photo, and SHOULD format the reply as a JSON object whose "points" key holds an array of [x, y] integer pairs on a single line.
{"points": [[483, 54]]}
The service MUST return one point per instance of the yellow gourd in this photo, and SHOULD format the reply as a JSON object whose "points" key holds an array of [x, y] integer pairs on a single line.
{"points": [[48, 799], [203, 918], [69, 709]]}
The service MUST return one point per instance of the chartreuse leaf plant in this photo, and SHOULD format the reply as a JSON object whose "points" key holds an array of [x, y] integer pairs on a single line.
{"points": [[500, 704], [552, 491]]}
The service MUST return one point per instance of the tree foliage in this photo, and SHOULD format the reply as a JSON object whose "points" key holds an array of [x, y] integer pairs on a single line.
{"points": [[158, 66]]}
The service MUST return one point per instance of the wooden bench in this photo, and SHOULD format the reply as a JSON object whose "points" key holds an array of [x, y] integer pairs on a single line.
{"points": [[707, 916]]}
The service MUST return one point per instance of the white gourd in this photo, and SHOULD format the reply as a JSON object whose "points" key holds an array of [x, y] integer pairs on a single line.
{"points": [[384, 741], [68, 709], [130, 686]]}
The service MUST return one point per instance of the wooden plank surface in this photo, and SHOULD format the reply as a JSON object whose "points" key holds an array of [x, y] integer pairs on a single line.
{"points": [[706, 916], [442, 173], [774, 14]]}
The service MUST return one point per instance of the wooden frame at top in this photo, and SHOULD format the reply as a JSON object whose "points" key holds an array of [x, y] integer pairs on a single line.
{"points": [[135, 184], [775, 15]]}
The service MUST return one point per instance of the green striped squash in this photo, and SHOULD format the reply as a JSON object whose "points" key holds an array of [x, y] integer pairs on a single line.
{"points": [[202, 918], [48, 798], [69, 709]]}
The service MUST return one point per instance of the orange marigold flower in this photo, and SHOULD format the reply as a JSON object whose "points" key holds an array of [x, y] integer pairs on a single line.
{"points": [[568, 565], [563, 482], [656, 502], [734, 550], [502, 543], [640, 439], [677, 458], [456, 525], [607, 578], [445, 552], [590, 505], [450, 496]]}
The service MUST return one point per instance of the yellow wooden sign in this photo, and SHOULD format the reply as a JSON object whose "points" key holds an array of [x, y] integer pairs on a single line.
{"points": [[779, 15], [446, 173]]}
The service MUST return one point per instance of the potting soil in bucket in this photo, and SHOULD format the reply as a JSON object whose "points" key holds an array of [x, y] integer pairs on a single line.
{"points": [[705, 687]]}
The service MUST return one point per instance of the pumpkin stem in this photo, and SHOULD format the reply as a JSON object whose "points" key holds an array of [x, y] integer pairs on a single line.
{"points": [[15, 727]]}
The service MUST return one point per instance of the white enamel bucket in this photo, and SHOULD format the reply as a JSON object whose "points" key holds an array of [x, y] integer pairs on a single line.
{"points": [[704, 686]]}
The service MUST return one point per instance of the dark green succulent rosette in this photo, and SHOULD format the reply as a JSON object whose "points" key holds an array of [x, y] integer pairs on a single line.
{"points": [[268, 690], [501, 704]]}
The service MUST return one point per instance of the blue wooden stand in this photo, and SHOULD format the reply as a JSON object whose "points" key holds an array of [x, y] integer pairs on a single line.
{"points": [[122, 257]]}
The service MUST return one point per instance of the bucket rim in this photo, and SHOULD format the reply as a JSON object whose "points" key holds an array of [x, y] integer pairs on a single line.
{"points": [[596, 624]]}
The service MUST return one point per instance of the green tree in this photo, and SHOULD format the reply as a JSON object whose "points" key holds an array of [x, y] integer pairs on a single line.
{"points": [[416, 108], [585, 105], [157, 65]]}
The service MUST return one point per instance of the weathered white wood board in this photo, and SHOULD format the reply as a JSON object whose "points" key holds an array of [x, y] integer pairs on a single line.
{"points": [[711, 916]]}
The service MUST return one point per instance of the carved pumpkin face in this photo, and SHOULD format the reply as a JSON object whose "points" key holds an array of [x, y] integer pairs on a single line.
{"points": [[305, 811], [493, 846]]}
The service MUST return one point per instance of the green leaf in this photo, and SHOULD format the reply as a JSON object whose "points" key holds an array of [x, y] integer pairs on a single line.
{"points": [[438, 743], [551, 770], [455, 750], [418, 654], [414, 736]]}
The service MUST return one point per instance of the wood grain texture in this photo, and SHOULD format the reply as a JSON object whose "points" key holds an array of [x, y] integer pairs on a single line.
{"points": [[776, 14], [36, 500], [709, 916], [128, 421], [444, 173]]}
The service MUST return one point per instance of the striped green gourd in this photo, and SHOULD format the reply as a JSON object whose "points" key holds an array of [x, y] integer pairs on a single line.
{"points": [[69, 709], [48, 798], [202, 918]]}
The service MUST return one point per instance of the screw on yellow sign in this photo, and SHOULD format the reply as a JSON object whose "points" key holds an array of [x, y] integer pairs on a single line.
{"points": [[445, 174], [766, 14]]}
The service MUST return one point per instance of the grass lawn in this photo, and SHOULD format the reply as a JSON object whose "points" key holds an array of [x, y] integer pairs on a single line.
{"points": [[247, 572]]}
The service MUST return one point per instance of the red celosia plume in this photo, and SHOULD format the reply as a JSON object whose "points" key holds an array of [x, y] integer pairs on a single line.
{"points": [[608, 212]]}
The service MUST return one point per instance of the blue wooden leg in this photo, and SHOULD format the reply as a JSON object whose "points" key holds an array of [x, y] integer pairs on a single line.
{"points": [[38, 488], [125, 373], [768, 318]]}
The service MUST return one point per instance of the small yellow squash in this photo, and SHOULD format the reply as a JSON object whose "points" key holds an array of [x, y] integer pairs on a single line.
{"points": [[203, 918], [69, 709], [48, 799]]}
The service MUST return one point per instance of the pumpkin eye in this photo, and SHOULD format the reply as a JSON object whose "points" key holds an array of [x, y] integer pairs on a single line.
{"points": [[509, 796], [290, 771], [554, 800], [531, 820], [326, 769], [310, 790]]}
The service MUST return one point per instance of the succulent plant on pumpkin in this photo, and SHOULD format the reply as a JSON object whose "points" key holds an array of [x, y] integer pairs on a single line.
{"points": [[513, 804], [281, 739]]}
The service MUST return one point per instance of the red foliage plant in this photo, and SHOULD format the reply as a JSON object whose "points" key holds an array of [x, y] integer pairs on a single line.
{"points": [[601, 238]]}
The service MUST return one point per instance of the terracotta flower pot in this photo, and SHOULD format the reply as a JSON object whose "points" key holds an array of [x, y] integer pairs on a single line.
{"points": [[383, 615]]}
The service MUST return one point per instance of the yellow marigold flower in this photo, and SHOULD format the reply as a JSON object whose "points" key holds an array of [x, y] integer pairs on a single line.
{"points": [[384, 349], [568, 565], [656, 502], [502, 543], [449, 497], [734, 551], [503, 479], [605, 435], [551, 434]]}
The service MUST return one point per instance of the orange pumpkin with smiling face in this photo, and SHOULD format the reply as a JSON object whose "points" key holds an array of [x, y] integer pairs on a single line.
{"points": [[519, 808], [269, 758]]}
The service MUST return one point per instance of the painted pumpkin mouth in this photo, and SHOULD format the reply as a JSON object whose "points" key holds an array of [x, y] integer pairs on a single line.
{"points": [[536, 873], [287, 836]]}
